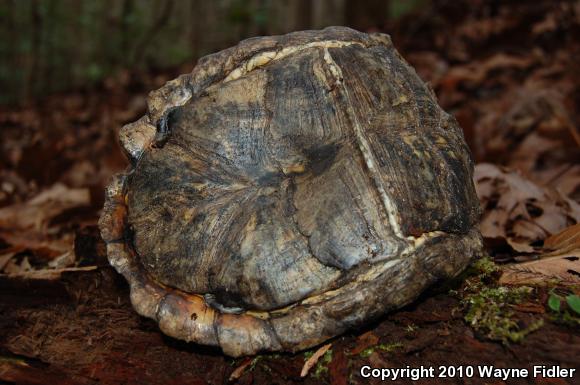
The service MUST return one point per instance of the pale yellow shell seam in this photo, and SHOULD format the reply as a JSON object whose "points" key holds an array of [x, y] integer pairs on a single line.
{"points": [[264, 58], [365, 149]]}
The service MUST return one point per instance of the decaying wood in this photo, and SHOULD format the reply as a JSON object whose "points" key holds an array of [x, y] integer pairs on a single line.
{"points": [[288, 189]]}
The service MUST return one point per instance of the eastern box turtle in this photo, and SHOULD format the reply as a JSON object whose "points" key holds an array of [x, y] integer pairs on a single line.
{"points": [[288, 189]]}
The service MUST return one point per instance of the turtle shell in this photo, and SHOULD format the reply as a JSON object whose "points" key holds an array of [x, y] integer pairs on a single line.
{"points": [[288, 189]]}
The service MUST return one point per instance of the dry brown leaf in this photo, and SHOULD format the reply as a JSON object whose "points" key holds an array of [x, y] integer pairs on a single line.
{"points": [[560, 261], [314, 360], [47, 274], [64, 260], [38, 211], [519, 210], [7, 256], [567, 179], [45, 251], [474, 73], [520, 246], [564, 268], [564, 241], [240, 369], [29, 227], [35, 241], [13, 267]]}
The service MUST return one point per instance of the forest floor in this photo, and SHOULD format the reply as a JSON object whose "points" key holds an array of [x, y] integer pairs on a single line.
{"points": [[507, 72]]}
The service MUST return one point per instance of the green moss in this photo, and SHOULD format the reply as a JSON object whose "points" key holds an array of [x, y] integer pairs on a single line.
{"points": [[484, 268], [488, 312], [481, 271], [488, 305], [384, 347]]}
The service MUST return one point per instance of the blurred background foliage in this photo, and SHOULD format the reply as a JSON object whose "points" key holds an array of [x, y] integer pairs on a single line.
{"points": [[55, 45]]}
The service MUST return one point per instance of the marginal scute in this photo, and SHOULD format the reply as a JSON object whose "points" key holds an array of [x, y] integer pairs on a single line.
{"points": [[115, 189], [116, 254], [287, 190], [137, 137], [187, 318], [145, 295], [382, 38], [114, 217], [244, 334], [173, 94]]}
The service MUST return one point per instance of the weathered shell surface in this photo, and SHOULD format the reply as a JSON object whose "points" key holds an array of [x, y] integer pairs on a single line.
{"points": [[288, 189]]}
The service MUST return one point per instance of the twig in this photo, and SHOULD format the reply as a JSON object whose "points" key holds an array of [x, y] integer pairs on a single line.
{"points": [[314, 359]]}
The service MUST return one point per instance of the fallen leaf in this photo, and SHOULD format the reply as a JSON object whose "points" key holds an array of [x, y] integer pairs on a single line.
{"points": [[564, 268], [62, 261], [7, 256], [566, 240], [313, 360], [31, 228], [240, 369], [36, 241], [474, 73], [38, 211], [519, 210], [47, 274], [520, 246], [13, 267]]}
